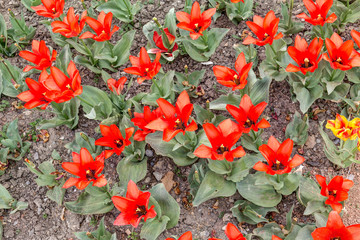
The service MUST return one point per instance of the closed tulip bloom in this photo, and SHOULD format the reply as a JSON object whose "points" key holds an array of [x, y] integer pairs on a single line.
{"points": [[277, 156], [233, 233], [306, 56], [195, 22], [116, 86], [50, 8], [143, 67], [234, 79], [40, 56], [336, 191], [341, 55], [222, 139], [318, 12], [336, 230], [175, 119], [158, 40], [70, 26], [101, 26], [264, 28], [86, 169], [133, 207]]}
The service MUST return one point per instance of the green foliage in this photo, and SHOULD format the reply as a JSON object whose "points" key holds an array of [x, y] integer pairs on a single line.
{"points": [[287, 25], [100, 233], [240, 11], [248, 212], [162, 88], [189, 82], [30, 3], [4, 105], [346, 13], [12, 79], [96, 103], [83, 141], [122, 9], [8, 202], [297, 129]]}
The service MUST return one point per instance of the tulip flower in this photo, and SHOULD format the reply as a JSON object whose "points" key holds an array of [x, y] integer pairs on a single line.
{"points": [[36, 95], [306, 56], [157, 38], [86, 169], [233, 233], [356, 36], [185, 236], [40, 56], [247, 115], [195, 22], [50, 8], [236, 1], [336, 230], [116, 86], [342, 128], [61, 87], [264, 28], [175, 118], [318, 12], [277, 156], [113, 138], [341, 55], [101, 26], [222, 139], [143, 67], [142, 119], [70, 26], [336, 191], [275, 238], [234, 79], [133, 207]]}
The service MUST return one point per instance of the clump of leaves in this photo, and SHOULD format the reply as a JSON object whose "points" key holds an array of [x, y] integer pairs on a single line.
{"points": [[100, 233], [8, 202]]}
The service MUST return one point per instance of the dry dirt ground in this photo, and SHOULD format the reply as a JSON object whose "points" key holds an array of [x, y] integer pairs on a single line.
{"points": [[43, 218]]}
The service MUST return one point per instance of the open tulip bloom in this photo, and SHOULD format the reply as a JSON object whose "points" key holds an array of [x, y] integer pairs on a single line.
{"points": [[234, 79], [342, 128], [101, 26], [356, 36], [247, 115], [70, 26], [158, 40], [175, 118], [277, 156], [341, 55], [336, 230], [336, 191], [222, 139], [318, 12], [133, 207], [40, 56], [86, 169], [113, 138], [142, 119], [264, 28], [195, 22], [233, 233], [306, 56], [143, 67], [50, 8]]}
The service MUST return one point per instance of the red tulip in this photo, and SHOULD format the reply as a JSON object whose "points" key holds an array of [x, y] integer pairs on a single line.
{"points": [[40, 56], [336, 230], [236, 1], [234, 79], [336, 191], [61, 87], [306, 56], [143, 67], [86, 168], [222, 139], [160, 43], [233, 233], [101, 26], [113, 138], [277, 156], [133, 207], [174, 119], [36, 95], [70, 26], [318, 11], [247, 115], [185, 236], [196, 22], [50, 8], [341, 55], [275, 238], [142, 119], [116, 86], [356, 36], [264, 28]]}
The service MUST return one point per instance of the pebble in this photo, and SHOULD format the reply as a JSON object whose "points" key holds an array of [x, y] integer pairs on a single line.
{"points": [[204, 234], [158, 175], [36, 156], [149, 153]]}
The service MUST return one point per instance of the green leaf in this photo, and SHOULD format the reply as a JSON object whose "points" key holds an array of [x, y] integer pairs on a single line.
{"points": [[130, 168], [64, 58], [169, 206], [6, 199], [262, 195], [212, 186], [122, 9], [83, 141], [170, 21], [30, 3], [100, 233], [248, 212], [307, 97], [220, 167], [96, 103], [314, 206], [297, 129], [122, 48], [152, 228], [268, 230], [291, 183], [57, 193], [223, 100], [308, 191], [241, 167], [260, 91], [166, 85], [239, 11]]}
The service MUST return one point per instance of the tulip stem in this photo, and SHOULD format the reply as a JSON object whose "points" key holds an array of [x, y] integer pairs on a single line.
{"points": [[332, 74], [250, 57], [128, 86], [84, 101], [16, 20], [88, 51], [291, 6], [8, 69], [83, 5], [272, 48], [157, 86]]}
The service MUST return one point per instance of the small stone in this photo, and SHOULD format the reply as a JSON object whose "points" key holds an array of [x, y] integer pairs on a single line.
{"points": [[204, 234], [158, 175], [149, 153], [227, 217], [36, 156], [27, 183], [147, 180]]}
